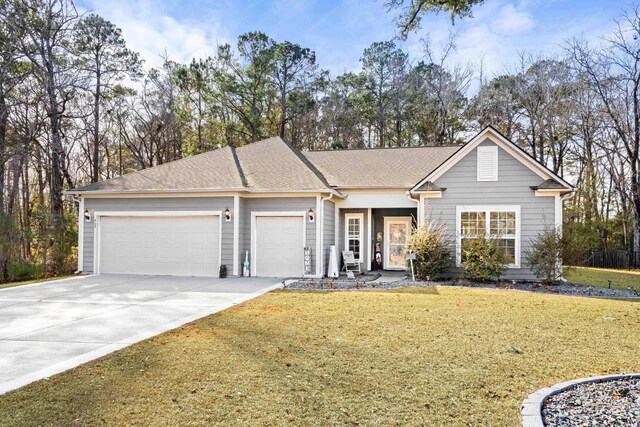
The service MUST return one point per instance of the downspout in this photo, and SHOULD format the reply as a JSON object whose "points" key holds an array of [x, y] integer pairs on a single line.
{"points": [[567, 196], [321, 216], [417, 201]]}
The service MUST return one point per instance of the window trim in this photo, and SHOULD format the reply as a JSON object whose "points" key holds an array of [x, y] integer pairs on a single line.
{"points": [[494, 151], [487, 209], [360, 218]]}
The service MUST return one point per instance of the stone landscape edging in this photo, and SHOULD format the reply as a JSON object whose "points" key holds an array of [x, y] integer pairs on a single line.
{"points": [[531, 408]]}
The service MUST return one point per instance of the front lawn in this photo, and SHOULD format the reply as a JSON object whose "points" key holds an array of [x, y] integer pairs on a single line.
{"points": [[620, 279], [437, 356]]}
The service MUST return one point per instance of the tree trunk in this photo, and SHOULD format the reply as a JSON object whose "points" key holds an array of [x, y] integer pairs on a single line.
{"points": [[95, 173], [4, 117], [26, 201], [57, 151]]}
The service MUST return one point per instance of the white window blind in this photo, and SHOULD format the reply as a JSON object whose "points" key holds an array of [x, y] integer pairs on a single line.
{"points": [[487, 163]]}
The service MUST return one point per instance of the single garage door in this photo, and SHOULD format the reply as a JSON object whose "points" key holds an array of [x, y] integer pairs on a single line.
{"points": [[279, 246], [160, 245]]}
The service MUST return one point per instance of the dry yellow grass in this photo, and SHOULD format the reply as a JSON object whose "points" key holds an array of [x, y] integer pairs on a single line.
{"points": [[429, 356]]}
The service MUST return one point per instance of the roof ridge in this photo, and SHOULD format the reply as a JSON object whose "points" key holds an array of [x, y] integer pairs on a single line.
{"points": [[383, 148], [243, 177], [307, 163]]}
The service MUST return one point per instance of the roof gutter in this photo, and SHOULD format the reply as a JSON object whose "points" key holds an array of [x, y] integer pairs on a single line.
{"points": [[552, 190], [203, 190], [152, 191]]}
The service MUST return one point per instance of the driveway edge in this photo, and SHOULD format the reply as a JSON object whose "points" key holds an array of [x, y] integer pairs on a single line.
{"points": [[110, 348], [48, 282]]}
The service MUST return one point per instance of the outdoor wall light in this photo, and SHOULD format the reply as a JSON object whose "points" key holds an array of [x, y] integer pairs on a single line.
{"points": [[312, 215], [227, 215], [87, 215]]}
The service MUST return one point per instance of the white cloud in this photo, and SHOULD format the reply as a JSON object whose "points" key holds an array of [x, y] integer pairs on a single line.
{"points": [[339, 31], [150, 30], [510, 20]]}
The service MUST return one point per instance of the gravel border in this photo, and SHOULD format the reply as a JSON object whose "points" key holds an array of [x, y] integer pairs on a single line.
{"points": [[605, 403], [531, 408], [562, 289]]}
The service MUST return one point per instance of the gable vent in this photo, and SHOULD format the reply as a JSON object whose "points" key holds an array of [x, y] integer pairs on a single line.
{"points": [[487, 163]]}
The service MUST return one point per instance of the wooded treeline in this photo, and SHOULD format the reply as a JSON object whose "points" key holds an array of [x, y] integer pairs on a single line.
{"points": [[77, 106]]}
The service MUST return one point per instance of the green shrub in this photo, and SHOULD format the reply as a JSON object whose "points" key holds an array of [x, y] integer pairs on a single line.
{"points": [[545, 254], [64, 252], [483, 259], [19, 271], [8, 244], [430, 245]]}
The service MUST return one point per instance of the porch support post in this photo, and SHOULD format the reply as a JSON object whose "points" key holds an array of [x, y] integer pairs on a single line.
{"points": [[558, 212], [236, 235], [369, 240], [336, 231], [318, 236]]}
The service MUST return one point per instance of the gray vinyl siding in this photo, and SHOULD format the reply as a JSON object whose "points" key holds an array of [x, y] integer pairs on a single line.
{"points": [[511, 188], [366, 239], [159, 204], [278, 204], [328, 231], [243, 230]]}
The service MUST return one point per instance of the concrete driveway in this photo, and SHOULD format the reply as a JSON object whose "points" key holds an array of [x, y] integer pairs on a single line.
{"points": [[49, 327]]}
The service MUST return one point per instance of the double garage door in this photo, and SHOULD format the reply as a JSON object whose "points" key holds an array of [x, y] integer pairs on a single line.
{"points": [[191, 245], [160, 245]]}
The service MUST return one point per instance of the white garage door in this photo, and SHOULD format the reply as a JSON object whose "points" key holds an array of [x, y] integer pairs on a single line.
{"points": [[177, 246], [279, 246]]}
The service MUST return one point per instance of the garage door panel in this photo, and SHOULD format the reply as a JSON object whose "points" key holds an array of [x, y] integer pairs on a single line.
{"points": [[279, 246], [188, 246]]}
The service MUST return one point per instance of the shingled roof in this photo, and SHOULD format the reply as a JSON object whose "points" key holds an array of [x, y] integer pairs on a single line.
{"points": [[381, 167], [273, 165], [549, 184], [211, 171]]}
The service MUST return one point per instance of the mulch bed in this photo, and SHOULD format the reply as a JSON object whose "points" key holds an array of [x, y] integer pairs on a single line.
{"points": [[608, 403], [365, 282]]}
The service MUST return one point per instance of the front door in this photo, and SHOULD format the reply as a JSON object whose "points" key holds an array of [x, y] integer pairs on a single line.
{"points": [[396, 231]]}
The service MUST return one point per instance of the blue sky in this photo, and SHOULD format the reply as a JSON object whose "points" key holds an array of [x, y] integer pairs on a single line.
{"points": [[339, 30]]}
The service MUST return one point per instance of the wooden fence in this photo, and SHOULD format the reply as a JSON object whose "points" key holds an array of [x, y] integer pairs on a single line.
{"points": [[621, 260]]}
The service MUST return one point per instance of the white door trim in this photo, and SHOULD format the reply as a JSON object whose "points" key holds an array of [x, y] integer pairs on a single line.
{"points": [[98, 215], [388, 220], [255, 215], [367, 262], [347, 217]]}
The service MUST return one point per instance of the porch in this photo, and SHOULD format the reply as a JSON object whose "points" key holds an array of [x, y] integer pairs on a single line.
{"points": [[376, 236]]}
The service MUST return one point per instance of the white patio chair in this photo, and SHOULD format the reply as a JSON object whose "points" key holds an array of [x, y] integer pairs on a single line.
{"points": [[350, 263]]}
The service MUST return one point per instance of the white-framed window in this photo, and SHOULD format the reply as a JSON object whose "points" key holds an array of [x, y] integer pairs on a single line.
{"points": [[353, 234], [499, 223], [487, 163]]}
